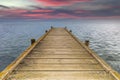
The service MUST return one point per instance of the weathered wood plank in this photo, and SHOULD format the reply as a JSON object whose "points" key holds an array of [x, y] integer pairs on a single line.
{"points": [[59, 55]]}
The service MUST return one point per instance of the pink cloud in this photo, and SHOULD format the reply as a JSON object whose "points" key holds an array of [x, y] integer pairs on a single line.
{"points": [[10, 11], [81, 11], [44, 11], [64, 15], [40, 14], [60, 3], [102, 17], [115, 7], [48, 16]]}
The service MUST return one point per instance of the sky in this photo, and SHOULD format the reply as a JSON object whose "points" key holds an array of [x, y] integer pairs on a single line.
{"points": [[59, 9]]}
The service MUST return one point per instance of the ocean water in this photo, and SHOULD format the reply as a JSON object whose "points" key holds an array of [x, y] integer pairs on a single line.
{"points": [[104, 36]]}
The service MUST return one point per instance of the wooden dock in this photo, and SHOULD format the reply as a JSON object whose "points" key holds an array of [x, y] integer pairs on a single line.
{"points": [[58, 55]]}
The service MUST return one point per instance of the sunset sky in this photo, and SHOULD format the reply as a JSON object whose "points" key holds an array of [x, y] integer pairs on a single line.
{"points": [[59, 9]]}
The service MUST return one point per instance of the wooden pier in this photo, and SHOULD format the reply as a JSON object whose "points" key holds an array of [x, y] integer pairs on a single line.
{"points": [[58, 55]]}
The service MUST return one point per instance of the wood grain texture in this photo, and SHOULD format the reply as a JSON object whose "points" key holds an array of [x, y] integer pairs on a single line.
{"points": [[59, 56]]}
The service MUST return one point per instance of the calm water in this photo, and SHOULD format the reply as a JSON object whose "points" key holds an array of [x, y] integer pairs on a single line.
{"points": [[103, 35]]}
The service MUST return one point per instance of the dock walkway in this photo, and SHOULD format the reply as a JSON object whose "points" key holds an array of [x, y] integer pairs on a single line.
{"points": [[59, 55]]}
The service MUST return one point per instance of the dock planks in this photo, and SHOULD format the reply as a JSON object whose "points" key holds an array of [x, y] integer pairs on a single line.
{"points": [[59, 56]]}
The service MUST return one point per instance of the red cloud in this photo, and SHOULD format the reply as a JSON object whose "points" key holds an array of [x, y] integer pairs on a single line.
{"points": [[60, 2]]}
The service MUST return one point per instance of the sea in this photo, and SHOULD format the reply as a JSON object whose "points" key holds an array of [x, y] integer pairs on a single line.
{"points": [[104, 37]]}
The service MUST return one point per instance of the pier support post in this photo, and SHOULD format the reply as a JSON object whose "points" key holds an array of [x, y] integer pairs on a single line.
{"points": [[46, 31], [32, 41], [51, 27], [70, 30], [87, 42], [65, 27]]}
